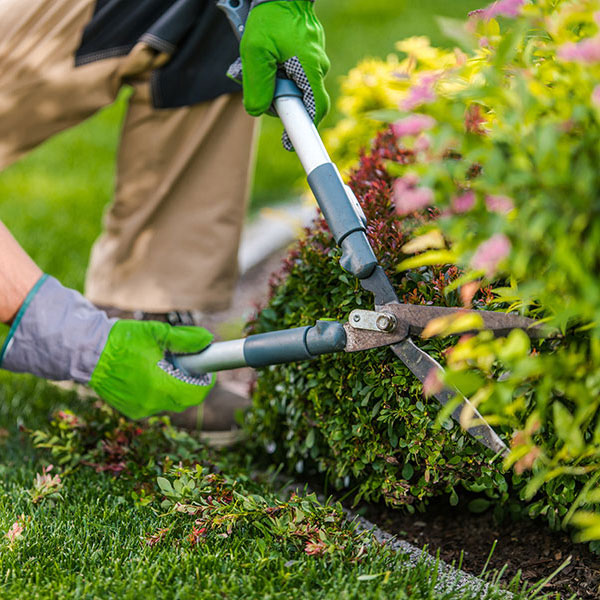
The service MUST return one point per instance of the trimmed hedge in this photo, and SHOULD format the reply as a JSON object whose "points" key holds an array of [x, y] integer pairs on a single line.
{"points": [[502, 145], [361, 419]]}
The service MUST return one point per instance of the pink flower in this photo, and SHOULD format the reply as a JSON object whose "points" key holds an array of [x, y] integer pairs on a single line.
{"points": [[408, 197], [464, 202], [46, 485], [467, 292], [156, 538], [68, 419], [16, 530], [432, 384], [421, 93], [474, 120], [408, 181], [499, 204], [412, 125], [501, 8], [586, 51], [490, 253], [596, 96], [422, 143], [197, 534]]}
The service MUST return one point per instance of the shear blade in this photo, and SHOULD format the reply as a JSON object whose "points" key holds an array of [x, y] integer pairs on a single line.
{"points": [[421, 364]]}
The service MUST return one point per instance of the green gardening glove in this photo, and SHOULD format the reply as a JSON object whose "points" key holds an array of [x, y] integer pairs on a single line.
{"points": [[134, 373], [284, 33], [58, 334]]}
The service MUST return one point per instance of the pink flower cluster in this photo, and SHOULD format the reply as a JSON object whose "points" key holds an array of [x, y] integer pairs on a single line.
{"points": [[432, 384], [16, 530], [315, 548], [494, 203], [68, 419], [421, 93], [587, 51], [499, 204], [490, 253], [474, 120], [463, 202], [501, 8], [408, 196], [45, 485], [412, 125]]}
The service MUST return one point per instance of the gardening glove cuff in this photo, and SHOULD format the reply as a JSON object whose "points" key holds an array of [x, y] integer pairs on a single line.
{"points": [[57, 334], [283, 34]]}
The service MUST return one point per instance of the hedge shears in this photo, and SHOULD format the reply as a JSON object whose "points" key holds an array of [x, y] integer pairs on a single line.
{"points": [[390, 323]]}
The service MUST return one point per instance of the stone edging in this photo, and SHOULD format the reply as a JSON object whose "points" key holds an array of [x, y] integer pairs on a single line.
{"points": [[450, 579]]}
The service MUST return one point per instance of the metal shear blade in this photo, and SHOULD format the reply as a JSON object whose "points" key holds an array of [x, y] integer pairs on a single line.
{"points": [[392, 324]]}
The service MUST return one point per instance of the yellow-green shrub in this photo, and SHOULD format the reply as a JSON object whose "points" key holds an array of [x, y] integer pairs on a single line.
{"points": [[528, 124]]}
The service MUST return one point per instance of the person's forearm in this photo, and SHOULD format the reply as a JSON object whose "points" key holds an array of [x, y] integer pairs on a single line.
{"points": [[18, 275]]}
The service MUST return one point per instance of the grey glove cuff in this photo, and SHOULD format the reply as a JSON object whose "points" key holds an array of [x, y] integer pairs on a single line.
{"points": [[257, 2], [57, 334]]}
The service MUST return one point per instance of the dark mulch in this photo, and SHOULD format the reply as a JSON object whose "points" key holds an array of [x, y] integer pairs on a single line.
{"points": [[527, 546]]}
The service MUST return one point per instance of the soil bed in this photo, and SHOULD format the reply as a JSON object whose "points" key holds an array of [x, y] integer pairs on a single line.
{"points": [[525, 545]]}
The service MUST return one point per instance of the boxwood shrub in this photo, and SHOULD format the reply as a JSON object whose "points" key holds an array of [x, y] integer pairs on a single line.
{"points": [[361, 419], [504, 140]]}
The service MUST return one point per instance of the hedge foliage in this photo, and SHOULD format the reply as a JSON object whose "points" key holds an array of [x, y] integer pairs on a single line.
{"points": [[501, 142], [524, 107], [362, 419]]}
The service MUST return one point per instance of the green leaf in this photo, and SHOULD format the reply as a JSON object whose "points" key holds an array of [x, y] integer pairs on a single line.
{"points": [[433, 257], [310, 438], [407, 471], [165, 485], [384, 115], [517, 346], [479, 505], [368, 577], [453, 498], [457, 31]]}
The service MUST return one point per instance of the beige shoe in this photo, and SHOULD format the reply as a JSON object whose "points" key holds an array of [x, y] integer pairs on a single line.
{"points": [[215, 418]]}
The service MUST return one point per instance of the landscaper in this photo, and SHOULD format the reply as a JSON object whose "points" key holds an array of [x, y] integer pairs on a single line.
{"points": [[168, 252]]}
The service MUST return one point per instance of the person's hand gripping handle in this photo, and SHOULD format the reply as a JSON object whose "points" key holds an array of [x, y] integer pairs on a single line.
{"points": [[279, 39]]}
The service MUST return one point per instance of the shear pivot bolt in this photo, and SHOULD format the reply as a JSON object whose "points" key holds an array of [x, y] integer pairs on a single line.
{"points": [[356, 318], [386, 322]]}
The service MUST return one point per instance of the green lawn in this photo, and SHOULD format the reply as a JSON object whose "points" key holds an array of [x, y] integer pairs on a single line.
{"points": [[95, 542], [90, 544]]}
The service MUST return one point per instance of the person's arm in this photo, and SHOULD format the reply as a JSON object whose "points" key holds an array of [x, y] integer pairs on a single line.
{"points": [[18, 275], [57, 334]]}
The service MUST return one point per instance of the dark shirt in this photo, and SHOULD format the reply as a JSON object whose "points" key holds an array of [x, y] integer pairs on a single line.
{"points": [[196, 32]]}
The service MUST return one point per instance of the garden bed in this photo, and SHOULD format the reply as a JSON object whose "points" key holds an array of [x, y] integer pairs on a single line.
{"points": [[468, 539]]}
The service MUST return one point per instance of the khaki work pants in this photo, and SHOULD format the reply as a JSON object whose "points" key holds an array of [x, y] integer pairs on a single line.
{"points": [[171, 237]]}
